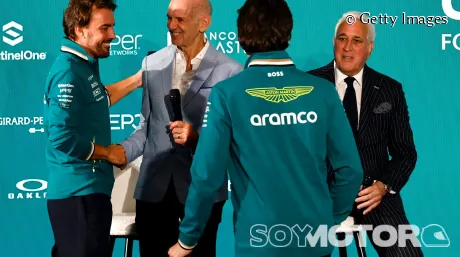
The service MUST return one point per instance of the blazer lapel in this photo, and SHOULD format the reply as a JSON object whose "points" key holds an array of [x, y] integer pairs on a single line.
{"points": [[167, 71], [207, 65], [325, 72], [369, 96], [329, 72]]}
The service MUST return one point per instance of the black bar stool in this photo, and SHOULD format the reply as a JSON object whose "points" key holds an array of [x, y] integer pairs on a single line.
{"points": [[348, 227]]}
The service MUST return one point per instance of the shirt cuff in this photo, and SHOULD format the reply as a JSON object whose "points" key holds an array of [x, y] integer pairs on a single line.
{"points": [[387, 187], [185, 247], [108, 97], [91, 152]]}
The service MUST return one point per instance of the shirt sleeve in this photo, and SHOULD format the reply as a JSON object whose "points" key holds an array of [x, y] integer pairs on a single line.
{"points": [[208, 174], [64, 107], [344, 158]]}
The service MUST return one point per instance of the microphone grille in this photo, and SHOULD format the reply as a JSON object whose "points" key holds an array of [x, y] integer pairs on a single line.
{"points": [[174, 93]]}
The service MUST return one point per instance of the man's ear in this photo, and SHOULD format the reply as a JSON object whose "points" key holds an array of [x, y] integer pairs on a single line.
{"points": [[79, 32], [205, 22], [371, 47]]}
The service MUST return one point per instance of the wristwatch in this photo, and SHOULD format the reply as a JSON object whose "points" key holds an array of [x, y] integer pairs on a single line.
{"points": [[389, 189]]}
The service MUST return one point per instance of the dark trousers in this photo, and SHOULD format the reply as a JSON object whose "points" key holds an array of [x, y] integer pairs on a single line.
{"points": [[81, 225], [157, 226], [390, 212]]}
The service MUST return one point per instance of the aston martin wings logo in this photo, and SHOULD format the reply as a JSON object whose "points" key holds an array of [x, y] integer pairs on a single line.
{"points": [[275, 95]]}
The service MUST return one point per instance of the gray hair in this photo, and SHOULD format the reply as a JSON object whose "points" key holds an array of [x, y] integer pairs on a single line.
{"points": [[358, 16]]}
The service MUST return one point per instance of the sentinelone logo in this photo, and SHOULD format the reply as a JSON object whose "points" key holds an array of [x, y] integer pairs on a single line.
{"points": [[35, 124], [16, 37], [12, 35], [29, 189], [226, 42]]}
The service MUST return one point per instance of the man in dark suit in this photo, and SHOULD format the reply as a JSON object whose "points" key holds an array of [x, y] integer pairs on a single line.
{"points": [[377, 111]]}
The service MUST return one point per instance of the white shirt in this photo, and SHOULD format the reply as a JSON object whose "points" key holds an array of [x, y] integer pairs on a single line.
{"points": [[341, 85], [182, 80]]}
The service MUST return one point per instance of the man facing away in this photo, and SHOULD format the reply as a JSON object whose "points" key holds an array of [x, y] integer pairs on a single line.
{"points": [[79, 153], [192, 66], [272, 125], [377, 111]]}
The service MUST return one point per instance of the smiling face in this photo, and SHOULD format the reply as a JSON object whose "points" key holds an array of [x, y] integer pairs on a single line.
{"points": [[97, 35], [186, 22], [181, 23], [352, 47]]}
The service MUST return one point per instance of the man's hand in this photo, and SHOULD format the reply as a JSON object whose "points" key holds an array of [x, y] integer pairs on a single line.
{"points": [[371, 196], [117, 156], [138, 78], [184, 134], [177, 251]]}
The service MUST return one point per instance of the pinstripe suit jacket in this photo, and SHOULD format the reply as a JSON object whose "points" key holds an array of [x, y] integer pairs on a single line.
{"points": [[384, 131]]}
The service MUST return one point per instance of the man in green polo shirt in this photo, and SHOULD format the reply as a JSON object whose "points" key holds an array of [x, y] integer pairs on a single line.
{"points": [[79, 152], [272, 126]]}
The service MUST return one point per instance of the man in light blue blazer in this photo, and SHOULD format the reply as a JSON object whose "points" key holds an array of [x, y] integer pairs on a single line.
{"points": [[193, 66]]}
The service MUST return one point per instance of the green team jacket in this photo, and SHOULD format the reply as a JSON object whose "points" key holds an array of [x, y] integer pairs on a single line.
{"points": [[77, 116], [272, 127]]}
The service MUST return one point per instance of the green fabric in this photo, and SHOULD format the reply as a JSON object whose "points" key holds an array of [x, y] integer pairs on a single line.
{"points": [[76, 115], [276, 163]]}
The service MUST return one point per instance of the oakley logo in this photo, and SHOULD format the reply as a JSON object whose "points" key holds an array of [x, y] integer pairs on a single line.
{"points": [[42, 185]]}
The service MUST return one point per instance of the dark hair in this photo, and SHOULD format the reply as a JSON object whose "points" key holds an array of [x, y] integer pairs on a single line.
{"points": [[78, 12], [264, 25]]}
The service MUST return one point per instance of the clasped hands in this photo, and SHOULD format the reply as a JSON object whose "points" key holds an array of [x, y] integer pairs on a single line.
{"points": [[116, 155], [183, 134]]}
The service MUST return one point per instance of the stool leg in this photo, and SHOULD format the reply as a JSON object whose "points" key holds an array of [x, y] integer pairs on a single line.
{"points": [[359, 244], [112, 244], [128, 247], [342, 249]]}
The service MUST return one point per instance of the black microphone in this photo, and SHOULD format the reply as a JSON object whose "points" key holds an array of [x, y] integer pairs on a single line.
{"points": [[174, 96]]}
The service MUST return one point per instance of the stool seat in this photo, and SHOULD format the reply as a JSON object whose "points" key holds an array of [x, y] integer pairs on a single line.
{"points": [[123, 224], [348, 226]]}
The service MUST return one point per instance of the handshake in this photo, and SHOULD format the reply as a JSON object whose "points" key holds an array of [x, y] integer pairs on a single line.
{"points": [[114, 154]]}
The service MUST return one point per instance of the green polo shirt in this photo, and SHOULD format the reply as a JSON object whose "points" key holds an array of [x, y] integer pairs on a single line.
{"points": [[273, 126], [77, 116]]}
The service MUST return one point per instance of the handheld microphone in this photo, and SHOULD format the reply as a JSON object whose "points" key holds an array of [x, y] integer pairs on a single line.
{"points": [[174, 97]]}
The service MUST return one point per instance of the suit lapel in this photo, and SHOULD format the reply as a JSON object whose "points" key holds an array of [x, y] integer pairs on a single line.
{"points": [[329, 71], [325, 72], [369, 96], [201, 75], [167, 71]]}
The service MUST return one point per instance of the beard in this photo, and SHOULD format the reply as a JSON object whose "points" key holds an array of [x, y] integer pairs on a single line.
{"points": [[102, 50], [99, 49]]}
